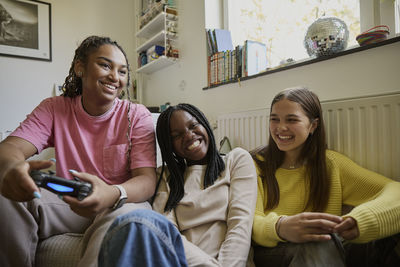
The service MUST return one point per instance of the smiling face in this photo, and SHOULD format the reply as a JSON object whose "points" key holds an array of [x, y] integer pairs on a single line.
{"points": [[104, 76], [189, 138], [290, 127]]}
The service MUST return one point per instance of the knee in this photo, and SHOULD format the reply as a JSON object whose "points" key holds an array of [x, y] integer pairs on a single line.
{"points": [[144, 217]]}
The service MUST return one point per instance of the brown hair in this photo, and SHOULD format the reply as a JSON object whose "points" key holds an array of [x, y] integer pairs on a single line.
{"points": [[312, 153]]}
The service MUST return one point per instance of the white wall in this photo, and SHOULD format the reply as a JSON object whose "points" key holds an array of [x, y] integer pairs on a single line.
{"points": [[25, 82], [367, 72]]}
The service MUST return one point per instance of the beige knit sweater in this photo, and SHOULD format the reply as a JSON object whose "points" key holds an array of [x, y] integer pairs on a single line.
{"points": [[215, 222]]}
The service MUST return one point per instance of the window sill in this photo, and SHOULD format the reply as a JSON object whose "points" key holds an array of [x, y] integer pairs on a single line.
{"points": [[311, 61]]}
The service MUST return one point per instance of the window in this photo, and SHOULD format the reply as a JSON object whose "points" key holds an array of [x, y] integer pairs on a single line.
{"points": [[282, 25]]}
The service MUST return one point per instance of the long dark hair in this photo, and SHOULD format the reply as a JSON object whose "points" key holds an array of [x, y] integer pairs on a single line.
{"points": [[176, 164], [312, 153], [73, 84]]}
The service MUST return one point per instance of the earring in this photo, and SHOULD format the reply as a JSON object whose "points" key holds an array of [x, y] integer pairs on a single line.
{"points": [[79, 74]]}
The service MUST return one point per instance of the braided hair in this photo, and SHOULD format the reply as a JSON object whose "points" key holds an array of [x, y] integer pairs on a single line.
{"points": [[176, 164], [73, 84]]}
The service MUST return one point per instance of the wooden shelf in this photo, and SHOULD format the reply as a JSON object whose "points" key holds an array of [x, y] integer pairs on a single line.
{"points": [[156, 65]]}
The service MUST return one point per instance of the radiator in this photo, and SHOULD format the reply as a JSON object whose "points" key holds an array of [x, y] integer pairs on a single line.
{"points": [[246, 129], [366, 129]]}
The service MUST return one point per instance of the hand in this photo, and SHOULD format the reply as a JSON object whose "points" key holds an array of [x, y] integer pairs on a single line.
{"points": [[347, 229], [103, 196], [17, 184], [308, 226]]}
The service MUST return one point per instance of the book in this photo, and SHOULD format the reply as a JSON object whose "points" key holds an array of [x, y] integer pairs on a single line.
{"points": [[239, 61], [212, 40], [256, 57], [223, 40], [209, 47], [210, 43]]}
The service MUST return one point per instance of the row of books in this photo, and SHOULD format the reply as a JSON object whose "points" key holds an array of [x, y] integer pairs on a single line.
{"points": [[245, 60]]}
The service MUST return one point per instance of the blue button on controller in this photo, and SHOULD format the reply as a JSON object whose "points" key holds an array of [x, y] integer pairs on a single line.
{"points": [[60, 188]]}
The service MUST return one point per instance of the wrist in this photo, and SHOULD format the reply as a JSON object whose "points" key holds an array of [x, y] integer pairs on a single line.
{"points": [[278, 227], [122, 197]]}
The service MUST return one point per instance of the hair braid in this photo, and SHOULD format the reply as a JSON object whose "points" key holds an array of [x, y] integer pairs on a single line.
{"points": [[176, 164], [73, 84]]}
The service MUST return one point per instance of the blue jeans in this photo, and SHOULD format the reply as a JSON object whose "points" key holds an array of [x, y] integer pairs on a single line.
{"points": [[142, 238]]}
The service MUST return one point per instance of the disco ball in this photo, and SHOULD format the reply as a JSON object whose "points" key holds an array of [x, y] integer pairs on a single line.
{"points": [[326, 36]]}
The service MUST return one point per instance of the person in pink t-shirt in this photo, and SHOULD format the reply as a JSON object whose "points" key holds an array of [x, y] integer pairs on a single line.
{"points": [[98, 138]]}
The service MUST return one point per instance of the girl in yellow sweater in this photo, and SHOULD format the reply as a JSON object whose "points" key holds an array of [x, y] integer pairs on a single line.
{"points": [[302, 187]]}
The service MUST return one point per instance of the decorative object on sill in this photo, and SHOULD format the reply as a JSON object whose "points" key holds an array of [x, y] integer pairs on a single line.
{"points": [[225, 146], [326, 36], [374, 35], [285, 62]]}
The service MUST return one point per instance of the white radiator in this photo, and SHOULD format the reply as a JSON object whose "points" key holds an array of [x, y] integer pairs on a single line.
{"points": [[247, 129], [365, 129]]}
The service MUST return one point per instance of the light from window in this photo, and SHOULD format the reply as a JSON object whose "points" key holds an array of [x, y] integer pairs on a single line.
{"points": [[282, 24], [397, 16]]}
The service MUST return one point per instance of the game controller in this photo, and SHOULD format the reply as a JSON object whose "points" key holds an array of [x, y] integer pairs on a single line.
{"points": [[61, 186]]}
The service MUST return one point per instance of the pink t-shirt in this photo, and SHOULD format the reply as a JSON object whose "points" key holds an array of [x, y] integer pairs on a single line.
{"points": [[92, 144]]}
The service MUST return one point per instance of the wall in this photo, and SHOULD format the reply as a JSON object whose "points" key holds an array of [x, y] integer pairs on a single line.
{"points": [[364, 73], [24, 82]]}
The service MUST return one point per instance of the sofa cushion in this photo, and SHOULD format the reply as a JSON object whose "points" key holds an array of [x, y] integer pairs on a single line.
{"points": [[59, 251]]}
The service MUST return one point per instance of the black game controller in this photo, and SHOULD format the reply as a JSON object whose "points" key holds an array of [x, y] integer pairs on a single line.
{"points": [[61, 186]]}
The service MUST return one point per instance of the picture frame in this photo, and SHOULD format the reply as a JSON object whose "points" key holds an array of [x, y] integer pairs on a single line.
{"points": [[25, 29]]}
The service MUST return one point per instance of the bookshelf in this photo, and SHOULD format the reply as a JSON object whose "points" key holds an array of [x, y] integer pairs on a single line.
{"points": [[156, 65], [160, 30]]}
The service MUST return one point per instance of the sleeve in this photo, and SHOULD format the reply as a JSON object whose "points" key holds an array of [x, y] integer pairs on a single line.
{"points": [[143, 139], [194, 255], [242, 200], [264, 232], [37, 128], [375, 197], [161, 197]]}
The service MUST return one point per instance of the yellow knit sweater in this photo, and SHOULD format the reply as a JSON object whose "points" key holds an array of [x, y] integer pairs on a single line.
{"points": [[375, 197]]}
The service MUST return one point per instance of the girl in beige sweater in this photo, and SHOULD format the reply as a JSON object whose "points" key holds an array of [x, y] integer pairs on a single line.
{"points": [[209, 197]]}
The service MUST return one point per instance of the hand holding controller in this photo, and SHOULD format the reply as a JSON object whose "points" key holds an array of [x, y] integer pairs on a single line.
{"points": [[61, 186]]}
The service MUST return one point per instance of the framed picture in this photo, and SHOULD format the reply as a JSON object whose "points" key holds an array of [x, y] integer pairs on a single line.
{"points": [[25, 29]]}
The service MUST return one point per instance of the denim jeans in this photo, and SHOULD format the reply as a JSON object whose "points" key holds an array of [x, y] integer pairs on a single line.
{"points": [[142, 238]]}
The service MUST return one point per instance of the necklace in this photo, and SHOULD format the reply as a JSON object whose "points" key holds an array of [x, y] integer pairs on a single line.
{"points": [[293, 165]]}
